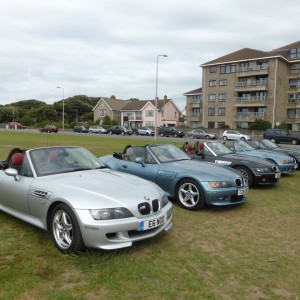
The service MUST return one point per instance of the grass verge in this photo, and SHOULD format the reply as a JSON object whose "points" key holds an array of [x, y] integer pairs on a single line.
{"points": [[248, 251]]}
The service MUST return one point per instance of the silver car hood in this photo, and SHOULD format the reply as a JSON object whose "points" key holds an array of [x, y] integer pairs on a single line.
{"points": [[98, 188]]}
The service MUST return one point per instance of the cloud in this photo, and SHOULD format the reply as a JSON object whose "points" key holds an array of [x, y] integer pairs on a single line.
{"points": [[106, 47]]}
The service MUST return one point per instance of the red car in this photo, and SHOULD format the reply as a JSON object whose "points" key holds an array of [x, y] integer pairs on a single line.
{"points": [[49, 129], [15, 125]]}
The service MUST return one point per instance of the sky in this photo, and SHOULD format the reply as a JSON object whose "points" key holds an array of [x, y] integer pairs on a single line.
{"points": [[101, 48]]}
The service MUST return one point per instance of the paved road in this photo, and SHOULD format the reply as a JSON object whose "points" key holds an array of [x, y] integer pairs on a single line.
{"points": [[150, 139]]}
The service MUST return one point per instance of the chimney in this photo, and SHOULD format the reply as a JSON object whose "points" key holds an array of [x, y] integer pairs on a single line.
{"points": [[165, 99]]}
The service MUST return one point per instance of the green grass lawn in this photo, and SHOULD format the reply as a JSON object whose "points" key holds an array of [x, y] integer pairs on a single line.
{"points": [[249, 251]]}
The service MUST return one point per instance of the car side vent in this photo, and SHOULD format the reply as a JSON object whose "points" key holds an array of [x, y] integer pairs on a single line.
{"points": [[144, 208], [239, 182], [41, 194]]}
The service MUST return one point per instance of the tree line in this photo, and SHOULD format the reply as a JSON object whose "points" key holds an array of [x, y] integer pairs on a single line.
{"points": [[38, 113]]}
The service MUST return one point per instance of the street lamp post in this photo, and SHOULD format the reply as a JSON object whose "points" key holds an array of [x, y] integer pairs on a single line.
{"points": [[63, 112], [155, 112]]}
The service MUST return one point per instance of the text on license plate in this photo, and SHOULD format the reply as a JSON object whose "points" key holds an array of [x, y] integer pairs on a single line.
{"points": [[149, 224], [242, 192]]}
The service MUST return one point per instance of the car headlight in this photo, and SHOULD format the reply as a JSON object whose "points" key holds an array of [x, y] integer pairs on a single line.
{"points": [[165, 201], [263, 170], [283, 162], [110, 213], [219, 184]]}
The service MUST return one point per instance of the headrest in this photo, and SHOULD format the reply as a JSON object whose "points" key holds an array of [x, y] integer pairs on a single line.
{"points": [[17, 159]]}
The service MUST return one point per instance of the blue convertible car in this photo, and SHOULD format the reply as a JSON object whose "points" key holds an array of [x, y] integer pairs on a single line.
{"points": [[285, 163], [192, 183]]}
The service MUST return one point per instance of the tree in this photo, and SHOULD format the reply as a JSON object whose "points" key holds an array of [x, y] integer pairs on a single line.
{"points": [[260, 124]]}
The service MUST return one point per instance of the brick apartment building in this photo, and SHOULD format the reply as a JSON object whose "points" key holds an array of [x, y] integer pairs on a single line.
{"points": [[246, 85]]}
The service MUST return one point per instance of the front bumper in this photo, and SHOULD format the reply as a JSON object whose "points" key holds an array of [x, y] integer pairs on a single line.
{"points": [[119, 233]]}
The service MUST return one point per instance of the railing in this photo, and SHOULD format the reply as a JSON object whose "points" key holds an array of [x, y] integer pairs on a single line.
{"points": [[251, 98], [253, 68], [250, 114], [251, 83], [294, 100]]}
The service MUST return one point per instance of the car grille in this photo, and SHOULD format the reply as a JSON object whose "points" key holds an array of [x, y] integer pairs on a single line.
{"points": [[145, 208]]}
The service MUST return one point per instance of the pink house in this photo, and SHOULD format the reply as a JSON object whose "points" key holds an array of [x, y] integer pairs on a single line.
{"points": [[138, 113]]}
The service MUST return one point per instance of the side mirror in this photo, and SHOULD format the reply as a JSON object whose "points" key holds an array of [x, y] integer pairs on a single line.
{"points": [[140, 160], [12, 172]]}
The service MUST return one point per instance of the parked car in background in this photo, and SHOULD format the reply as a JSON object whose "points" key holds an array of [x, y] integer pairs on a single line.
{"points": [[201, 134], [232, 135], [265, 144], [281, 136], [285, 163], [15, 125], [192, 183], [69, 192], [170, 131], [255, 170], [119, 130], [80, 129], [97, 129], [49, 129], [144, 131]]}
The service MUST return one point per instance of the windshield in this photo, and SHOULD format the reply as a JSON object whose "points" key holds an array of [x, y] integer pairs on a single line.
{"points": [[268, 144], [55, 160], [243, 146], [167, 153], [218, 148]]}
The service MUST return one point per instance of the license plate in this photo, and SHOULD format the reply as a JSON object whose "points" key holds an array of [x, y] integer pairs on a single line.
{"points": [[149, 224], [242, 192], [277, 175]]}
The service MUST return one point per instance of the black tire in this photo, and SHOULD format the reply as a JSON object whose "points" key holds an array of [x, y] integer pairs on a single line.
{"points": [[225, 138], [65, 230], [243, 139], [147, 133], [207, 137], [189, 195], [246, 173], [294, 142]]}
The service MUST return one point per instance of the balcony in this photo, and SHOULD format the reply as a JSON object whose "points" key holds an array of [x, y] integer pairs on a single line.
{"points": [[253, 70], [250, 101], [249, 116], [251, 85]]}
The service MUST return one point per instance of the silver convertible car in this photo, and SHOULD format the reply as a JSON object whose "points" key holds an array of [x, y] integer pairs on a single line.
{"points": [[69, 192], [192, 183]]}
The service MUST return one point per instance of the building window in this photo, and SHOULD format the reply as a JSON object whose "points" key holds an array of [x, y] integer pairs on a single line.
{"points": [[228, 68], [294, 83], [211, 111], [212, 97], [223, 82], [212, 82], [149, 113], [196, 112], [222, 97], [149, 124], [295, 68], [295, 53], [221, 124], [212, 69], [211, 124], [102, 112], [221, 111]]}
